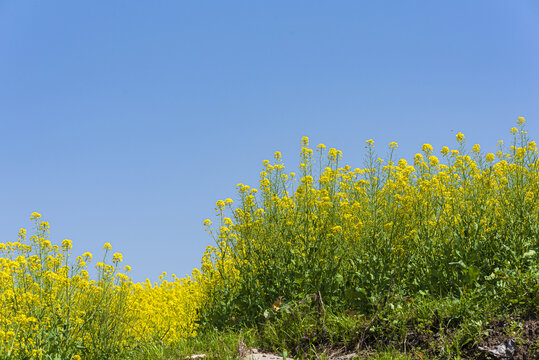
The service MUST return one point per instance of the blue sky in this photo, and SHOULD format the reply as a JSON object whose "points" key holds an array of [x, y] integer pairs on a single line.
{"points": [[124, 122]]}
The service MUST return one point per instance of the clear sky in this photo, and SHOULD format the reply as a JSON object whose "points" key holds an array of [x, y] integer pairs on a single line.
{"points": [[125, 121]]}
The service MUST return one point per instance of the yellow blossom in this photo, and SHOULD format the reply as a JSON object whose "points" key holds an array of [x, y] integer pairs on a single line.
{"points": [[117, 257], [220, 204], [67, 244], [427, 148]]}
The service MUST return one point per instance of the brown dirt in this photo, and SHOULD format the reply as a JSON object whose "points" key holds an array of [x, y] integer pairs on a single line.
{"points": [[524, 331]]}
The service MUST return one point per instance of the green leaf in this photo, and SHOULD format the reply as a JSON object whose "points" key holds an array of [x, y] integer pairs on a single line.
{"points": [[460, 263]]}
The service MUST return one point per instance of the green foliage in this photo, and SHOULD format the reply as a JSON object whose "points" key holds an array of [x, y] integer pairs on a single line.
{"points": [[439, 229]]}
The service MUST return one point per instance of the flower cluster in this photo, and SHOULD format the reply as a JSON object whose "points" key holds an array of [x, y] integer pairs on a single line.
{"points": [[50, 306]]}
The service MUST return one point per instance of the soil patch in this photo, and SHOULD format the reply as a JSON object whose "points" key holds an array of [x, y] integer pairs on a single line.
{"points": [[525, 333]]}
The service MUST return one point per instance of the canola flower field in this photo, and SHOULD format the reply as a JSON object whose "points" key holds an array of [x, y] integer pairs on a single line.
{"points": [[451, 223]]}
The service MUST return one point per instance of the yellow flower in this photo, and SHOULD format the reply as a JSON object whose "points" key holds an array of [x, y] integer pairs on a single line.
{"points": [[117, 257], [427, 148], [433, 161], [107, 246], [332, 154], [321, 146], [521, 121], [369, 142], [403, 163], [305, 141], [393, 145], [460, 137], [418, 158], [490, 157], [67, 244], [445, 150], [22, 233], [514, 130], [277, 155], [220, 204], [476, 148], [35, 215]]}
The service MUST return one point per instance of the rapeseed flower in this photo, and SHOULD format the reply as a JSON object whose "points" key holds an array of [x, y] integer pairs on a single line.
{"points": [[427, 148], [433, 161], [117, 257], [67, 244]]}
